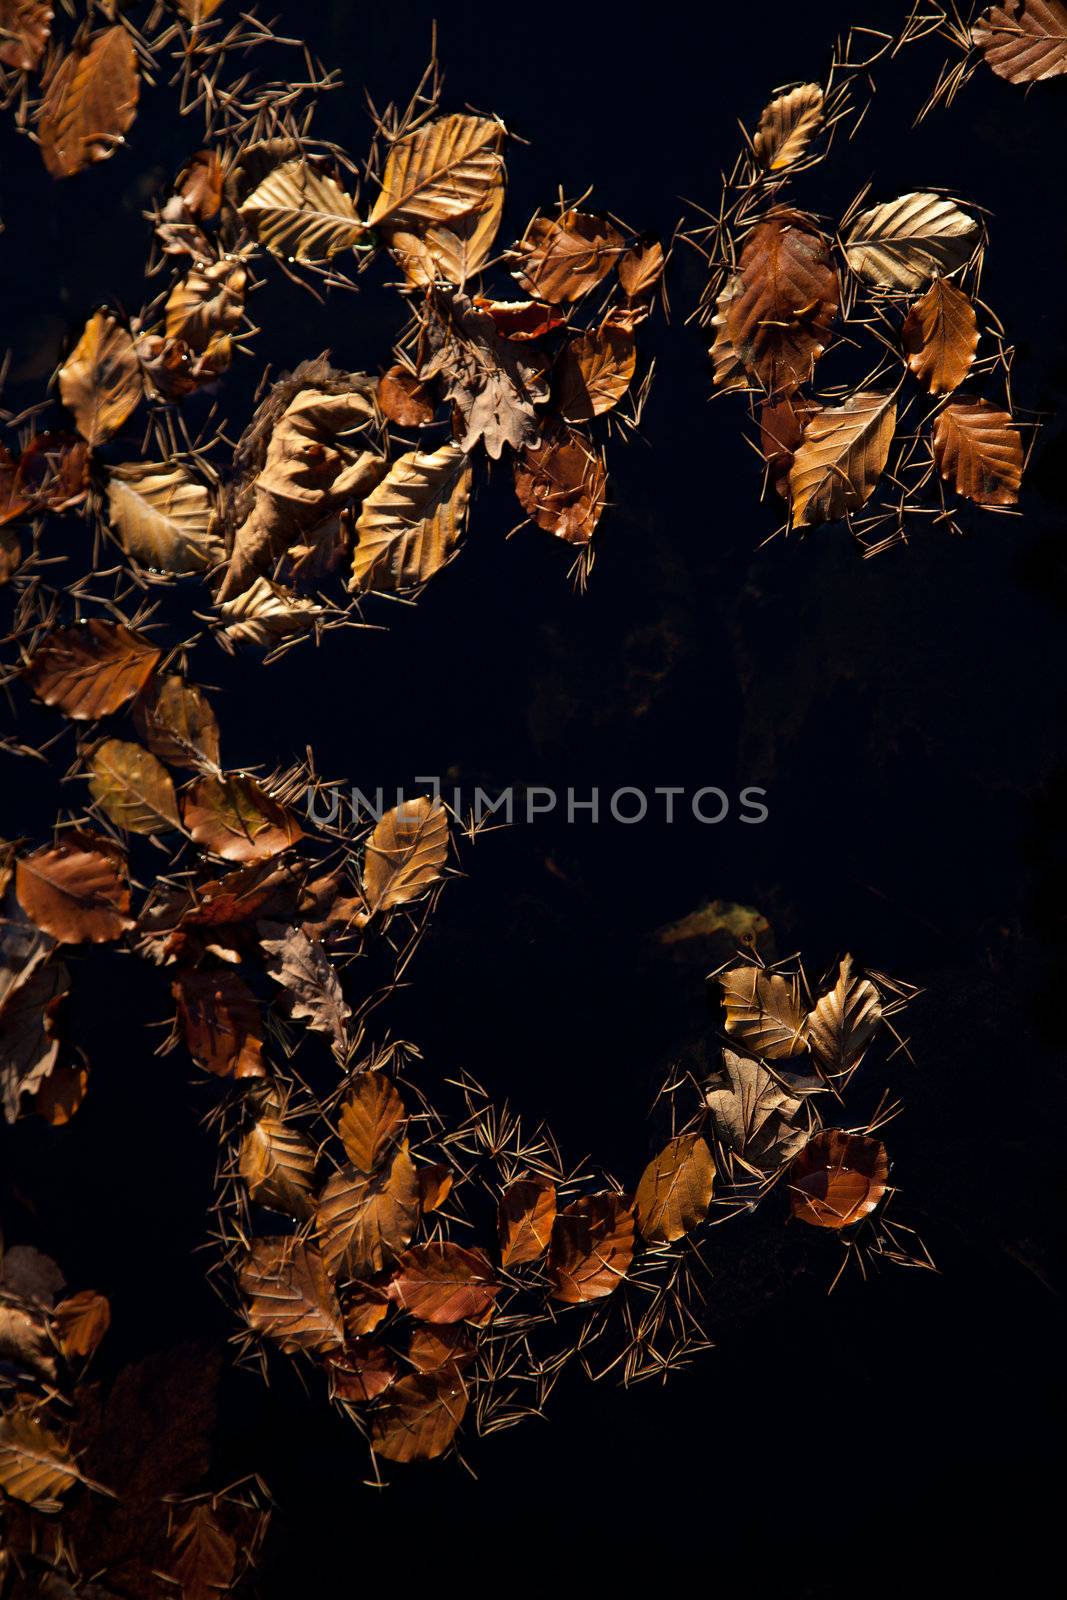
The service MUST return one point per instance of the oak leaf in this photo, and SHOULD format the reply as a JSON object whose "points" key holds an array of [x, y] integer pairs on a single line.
{"points": [[493, 383], [755, 1116], [306, 972]]}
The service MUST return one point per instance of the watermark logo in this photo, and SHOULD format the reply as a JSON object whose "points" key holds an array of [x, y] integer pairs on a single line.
{"points": [[332, 805]]}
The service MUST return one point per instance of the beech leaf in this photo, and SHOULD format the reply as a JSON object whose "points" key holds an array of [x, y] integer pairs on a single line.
{"points": [[674, 1194]]}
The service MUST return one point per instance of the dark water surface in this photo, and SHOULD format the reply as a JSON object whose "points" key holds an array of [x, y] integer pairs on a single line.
{"points": [[905, 716]]}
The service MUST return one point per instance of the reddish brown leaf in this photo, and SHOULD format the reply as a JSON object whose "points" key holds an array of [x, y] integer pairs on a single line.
{"points": [[520, 319], [419, 1416], [978, 449], [220, 1022], [592, 1247], [594, 372], [431, 1348], [200, 185], [442, 1282], [641, 268], [232, 817], [563, 259], [75, 889], [940, 336], [91, 669], [362, 1373], [562, 485], [364, 1222], [838, 1178], [404, 400], [204, 1556], [24, 29], [435, 1186], [525, 1216], [781, 431], [787, 296], [289, 1297], [61, 1094]]}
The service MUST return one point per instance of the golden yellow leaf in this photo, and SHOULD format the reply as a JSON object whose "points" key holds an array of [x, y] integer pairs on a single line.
{"points": [[786, 126], [100, 381], [674, 1194], [841, 456], [134, 789]]}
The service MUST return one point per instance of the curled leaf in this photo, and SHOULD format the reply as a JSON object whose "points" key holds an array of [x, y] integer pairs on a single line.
{"points": [[302, 213], [90, 101], [787, 125], [905, 242], [410, 525]]}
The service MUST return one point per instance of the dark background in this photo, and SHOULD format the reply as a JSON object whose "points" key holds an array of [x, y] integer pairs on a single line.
{"points": [[904, 715]]}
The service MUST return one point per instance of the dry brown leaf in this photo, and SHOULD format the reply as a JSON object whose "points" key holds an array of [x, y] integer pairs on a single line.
{"points": [[594, 372], [431, 1348], [265, 613], [31, 986], [365, 1307], [35, 1465], [978, 449], [405, 854], [435, 1186], [940, 336], [26, 1343], [91, 669], [208, 301], [289, 1297], [838, 1178], [592, 1247], [200, 185], [404, 400], [60, 1096], [1024, 41], [446, 169], [906, 242], [24, 29], [520, 319], [301, 213], [232, 817], [52, 474], [410, 525], [562, 259], [133, 788], [764, 1012], [81, 1323], [75, 889], [322, 456], [100, 381], [781, 431], [372, 1119], [784, 300], [562, 485], [220, 1022], [787, 125], [755, 1117], [844, 1021], [364, 1372], [90, 101], [204, 1556], [674, 1194], [177, 723], [727, 370], [841, 457], [525, 1217], [163, 517], [495, 384], [441, 1282], [306, 972], [278, 1165], [641, 268], [418, 1418], [363, 1221], [454, 250]]}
